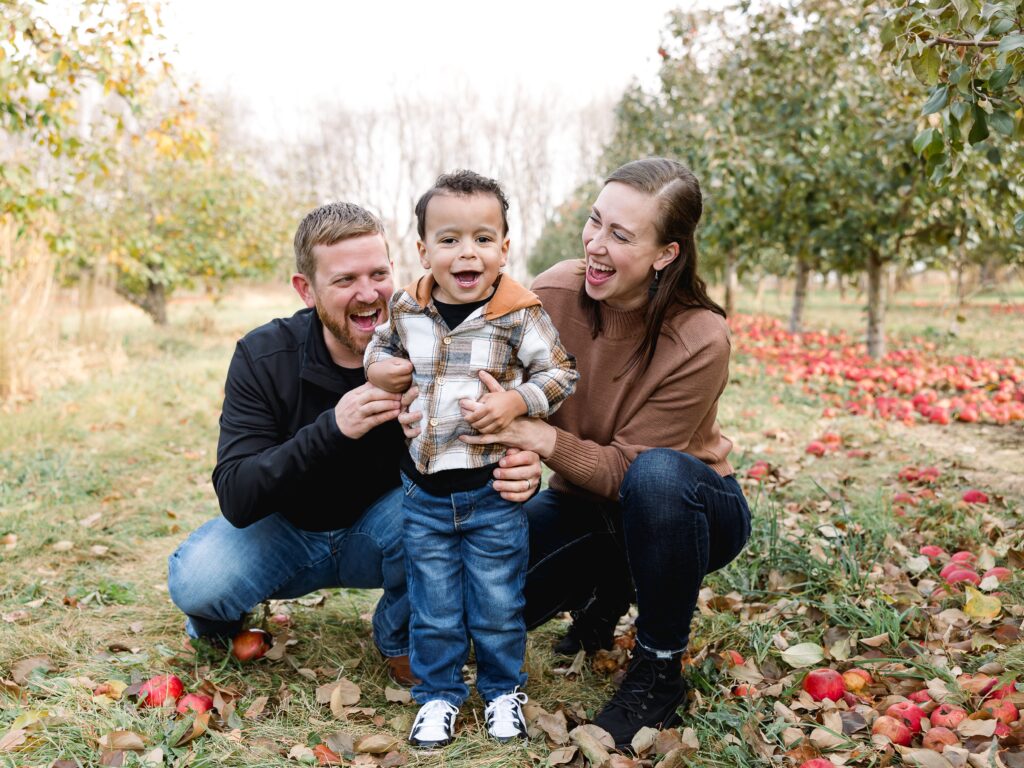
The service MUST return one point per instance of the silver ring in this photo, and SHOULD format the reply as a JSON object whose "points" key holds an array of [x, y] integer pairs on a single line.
{"points": [[529, 483]]}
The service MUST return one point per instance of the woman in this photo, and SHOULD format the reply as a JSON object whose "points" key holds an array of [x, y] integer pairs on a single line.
{"points": [[643, 495]]}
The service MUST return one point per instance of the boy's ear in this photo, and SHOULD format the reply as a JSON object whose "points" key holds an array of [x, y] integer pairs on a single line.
{"points": [[421, 249], [504, 250]]}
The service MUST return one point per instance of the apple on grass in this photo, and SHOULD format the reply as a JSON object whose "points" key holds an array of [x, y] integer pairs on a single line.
{"points": [[160, 690], [947, 716], [251, 644], [196, 702], [909, 713], [823, 684]]}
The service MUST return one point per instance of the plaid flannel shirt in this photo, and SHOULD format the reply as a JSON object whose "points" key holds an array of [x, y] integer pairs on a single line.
{"points": [[508, 337]]}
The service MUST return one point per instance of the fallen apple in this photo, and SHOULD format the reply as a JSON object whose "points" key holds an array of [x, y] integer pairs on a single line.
{"points": [[823, 684], [196, 702], [1001, 709], [160, 690], [932, 551], [816, 448], [908, 712], [938, 738], [1000, 573], [818, 762], [963, 575], [856, 680], [964, 557], [947, 716], [920, 697], [895, 730], [251, 644], [974, 496]]}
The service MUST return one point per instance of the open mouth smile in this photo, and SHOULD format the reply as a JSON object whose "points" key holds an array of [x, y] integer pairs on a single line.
{"points": [[598, 273], [466, 279], [366, 320]]}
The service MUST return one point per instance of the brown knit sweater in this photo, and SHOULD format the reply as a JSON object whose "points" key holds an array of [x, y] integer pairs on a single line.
{"points": [[607, 423]]}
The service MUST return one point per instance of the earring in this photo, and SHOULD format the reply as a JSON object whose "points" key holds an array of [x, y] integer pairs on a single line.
{"points": [[653, 288]]}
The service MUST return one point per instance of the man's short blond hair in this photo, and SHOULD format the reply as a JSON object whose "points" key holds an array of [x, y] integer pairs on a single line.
{"points": [[330, 224]]}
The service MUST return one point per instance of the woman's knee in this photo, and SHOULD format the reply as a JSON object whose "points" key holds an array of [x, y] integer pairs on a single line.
{"points": [[662, 474]]}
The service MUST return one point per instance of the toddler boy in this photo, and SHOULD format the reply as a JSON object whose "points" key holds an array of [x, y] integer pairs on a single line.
{"points": [[465, 546]]}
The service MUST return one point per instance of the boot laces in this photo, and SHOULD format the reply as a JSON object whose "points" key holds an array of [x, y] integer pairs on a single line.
{"points": [[641, 678]]}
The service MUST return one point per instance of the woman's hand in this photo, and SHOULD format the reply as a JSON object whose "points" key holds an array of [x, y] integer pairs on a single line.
{"points": [[525, 433], [410, 421]]}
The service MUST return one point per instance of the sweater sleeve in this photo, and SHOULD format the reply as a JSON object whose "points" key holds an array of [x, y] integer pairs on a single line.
{"points": [[256, 471], [551, 370], [678, 405]]}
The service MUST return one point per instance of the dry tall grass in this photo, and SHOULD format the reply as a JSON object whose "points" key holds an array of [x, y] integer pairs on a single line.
{"points": [[28, 271]]}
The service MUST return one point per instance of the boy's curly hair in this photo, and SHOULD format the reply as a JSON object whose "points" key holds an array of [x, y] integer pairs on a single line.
{"points": [[462, 182]]}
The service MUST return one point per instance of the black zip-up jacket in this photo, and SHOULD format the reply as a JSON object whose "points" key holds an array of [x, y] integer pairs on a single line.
{"points": [[280, 449]]}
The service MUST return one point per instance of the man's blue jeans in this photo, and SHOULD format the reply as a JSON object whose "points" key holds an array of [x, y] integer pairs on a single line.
{"points": [[676, 521], [466, 557], [220, 572]]}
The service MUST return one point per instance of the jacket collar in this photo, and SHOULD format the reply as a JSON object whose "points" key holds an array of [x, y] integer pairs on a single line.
{"points": [[508, 297], [316, 366]]}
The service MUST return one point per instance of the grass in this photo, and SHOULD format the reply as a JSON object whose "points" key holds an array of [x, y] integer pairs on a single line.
{"points": [[102, 476]]}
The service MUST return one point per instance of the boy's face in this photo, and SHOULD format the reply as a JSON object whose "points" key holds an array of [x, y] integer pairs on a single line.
{"points": [[464, 247]]}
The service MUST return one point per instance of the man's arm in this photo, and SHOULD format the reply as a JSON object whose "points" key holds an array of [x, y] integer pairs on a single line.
{"points": [[256, 470]]}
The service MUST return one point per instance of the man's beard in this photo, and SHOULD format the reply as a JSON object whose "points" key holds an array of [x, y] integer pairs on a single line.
{"points": [[340, 331]]}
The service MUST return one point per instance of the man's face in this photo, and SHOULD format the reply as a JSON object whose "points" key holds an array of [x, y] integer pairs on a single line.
{"points": [[350, 291]]}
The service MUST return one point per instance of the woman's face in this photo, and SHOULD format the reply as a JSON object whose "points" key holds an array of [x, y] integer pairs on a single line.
{"points": [[622, 246]]}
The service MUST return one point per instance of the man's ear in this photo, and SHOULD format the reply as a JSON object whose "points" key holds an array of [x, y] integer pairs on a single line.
{"points": [[304, 288], [668, 254]]}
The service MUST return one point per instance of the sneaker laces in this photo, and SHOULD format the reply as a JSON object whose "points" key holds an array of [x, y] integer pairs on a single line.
{"points": [[507, 710], [436, 713]]}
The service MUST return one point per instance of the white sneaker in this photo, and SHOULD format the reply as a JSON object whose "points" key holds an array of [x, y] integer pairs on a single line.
{"points": [[434, 725], [504, 716]]}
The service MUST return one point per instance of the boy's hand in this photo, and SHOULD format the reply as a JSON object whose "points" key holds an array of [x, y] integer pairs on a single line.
{"points": [[494, 411], [391, 375]]}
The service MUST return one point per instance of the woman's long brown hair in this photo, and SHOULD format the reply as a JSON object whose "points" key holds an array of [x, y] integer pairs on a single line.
{"points": [[678, 286]]}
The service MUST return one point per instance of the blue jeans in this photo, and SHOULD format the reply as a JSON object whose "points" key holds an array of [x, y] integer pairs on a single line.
{"points": [[466, 563], [220, 573], [676, 521]]}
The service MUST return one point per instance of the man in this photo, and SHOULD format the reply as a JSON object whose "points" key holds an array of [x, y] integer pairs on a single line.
{"points": [[307, 461]]}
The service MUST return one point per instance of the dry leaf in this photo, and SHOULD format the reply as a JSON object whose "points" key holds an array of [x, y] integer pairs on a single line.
{"points": [[397, 695], [968, 728], [199, 726], [643, 740], [345, 694], [21, 670], [376, 744], [561, 756], [803, 655], [91, 520], [554, 726], [302, 753], [153, 757], [923, 758], [256, 708], [341, 742], [590, 744], [63, 546], [392, 759], [13, 739], [877, 641], [123, 740], [980, 606]]}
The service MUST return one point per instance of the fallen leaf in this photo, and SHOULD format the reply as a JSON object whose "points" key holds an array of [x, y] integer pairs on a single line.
{"points": [[924, 758], [112, 758], [376, 744], [981, 606], [256, 708], [877, 641], [198, 727], [591, 745], [803, 655], [63, 546], [392, 759], [21, 670], [302, 753], [13, 739], [561, 756], [397, 695], [122, 740], [326, 756], [341, 742], [345, 694], [153, 757], [99, 549], [91, 520]]}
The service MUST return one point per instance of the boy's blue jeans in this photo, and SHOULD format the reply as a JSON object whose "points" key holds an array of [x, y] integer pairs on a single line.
{"points": [[466, 556], [220, 572]]}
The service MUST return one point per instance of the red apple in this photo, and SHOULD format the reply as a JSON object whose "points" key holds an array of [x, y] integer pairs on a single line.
{"points": [[251, 644], [196, 702], [963, 557], [920, 697], [816, 448], [1001, 709], [937, 739], [1002, 574], [1003, 691], [824, 683], [733, 657], [963, 574], [947, 716], [948, 568], [743, 689], [896, 731], [1002, 729], [160, 690], [818, 762], [968, 414], [975, 496], [908, 712], [932, 551]]}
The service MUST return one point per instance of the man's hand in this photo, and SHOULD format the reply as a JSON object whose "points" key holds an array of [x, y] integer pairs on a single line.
{"points": [[392, 375], [495, 410], [363, 408], [517, 476]]}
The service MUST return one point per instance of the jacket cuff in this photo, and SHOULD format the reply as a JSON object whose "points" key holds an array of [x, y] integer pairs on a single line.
{"points": [[536, 401]]}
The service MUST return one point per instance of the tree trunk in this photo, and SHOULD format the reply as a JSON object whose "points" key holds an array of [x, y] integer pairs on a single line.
{"points": [[803, 274], [730, 283], [841, 285], [153, 302], [876, 306]]}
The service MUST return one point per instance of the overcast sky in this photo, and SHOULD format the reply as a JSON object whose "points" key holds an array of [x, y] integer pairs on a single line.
{"points": [[281, 58]]}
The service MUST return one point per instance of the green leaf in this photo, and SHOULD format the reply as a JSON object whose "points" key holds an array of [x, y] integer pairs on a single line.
{"points": [[1002, 122], [938, 99], [922, 140], [979, 131], [1018, 223], [1000, 78], [888, 35], [1010, 43], [926, 66], [1001, 26]]}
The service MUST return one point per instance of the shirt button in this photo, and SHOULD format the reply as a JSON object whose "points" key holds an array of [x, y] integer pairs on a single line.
{"points": [[447, 340], [440, 380], [433, 422]]}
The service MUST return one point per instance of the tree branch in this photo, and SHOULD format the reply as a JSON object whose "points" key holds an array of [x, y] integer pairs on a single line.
{"points": [[952, 41]]}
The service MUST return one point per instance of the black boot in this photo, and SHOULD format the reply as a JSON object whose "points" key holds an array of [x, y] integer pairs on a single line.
{"points": [[587, 632], [650, 694]]}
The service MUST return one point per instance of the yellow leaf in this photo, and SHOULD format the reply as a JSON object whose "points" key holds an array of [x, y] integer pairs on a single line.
{"points": [[981, 606]]}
